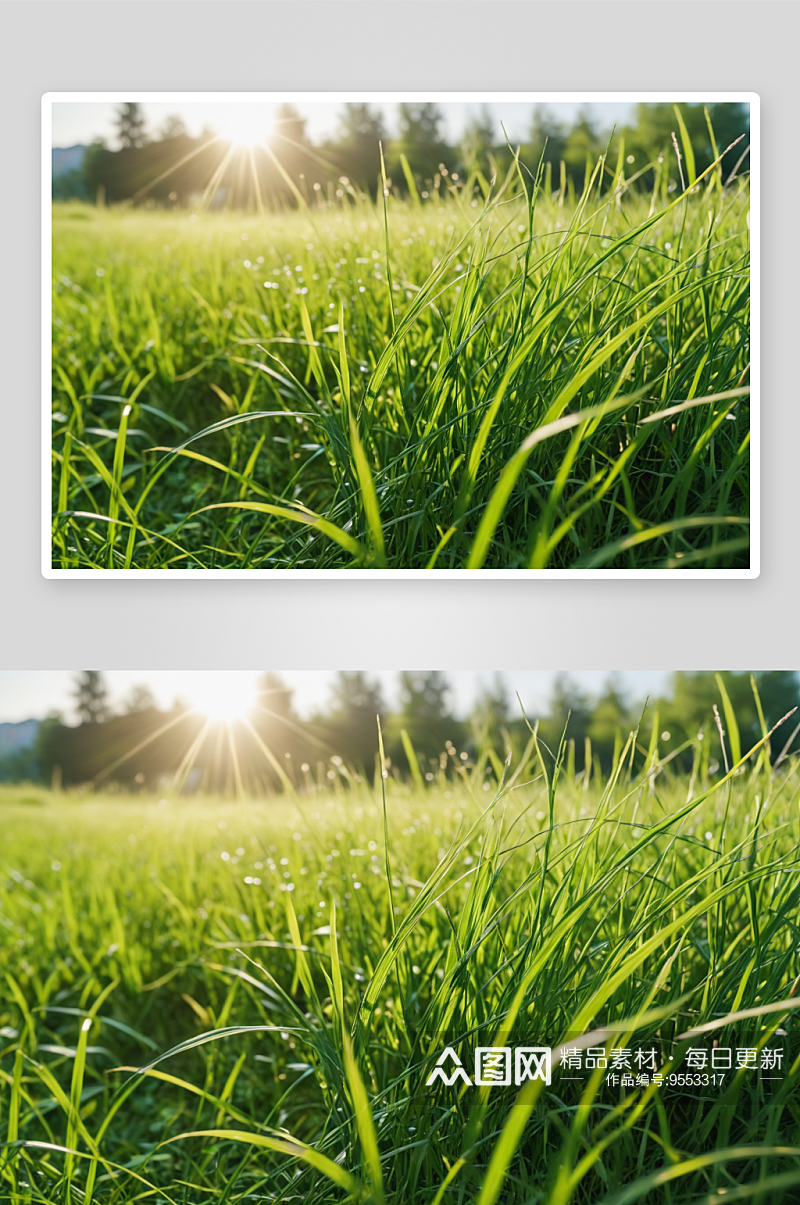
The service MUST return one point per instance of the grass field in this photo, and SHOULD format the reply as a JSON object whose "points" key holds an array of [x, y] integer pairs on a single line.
{"points": [[510, 381], [291, 969]]}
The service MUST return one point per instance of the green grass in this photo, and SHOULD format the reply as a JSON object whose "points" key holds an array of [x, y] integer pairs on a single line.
{"points": [[465, 382], [289, 976]]}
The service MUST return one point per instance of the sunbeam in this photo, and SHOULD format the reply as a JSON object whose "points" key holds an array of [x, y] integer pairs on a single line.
{"points": [[223, 697], [243, 125]]}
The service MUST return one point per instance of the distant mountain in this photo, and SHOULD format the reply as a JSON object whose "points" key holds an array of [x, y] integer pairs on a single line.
{"points": [[18, 736], [68, 159]]}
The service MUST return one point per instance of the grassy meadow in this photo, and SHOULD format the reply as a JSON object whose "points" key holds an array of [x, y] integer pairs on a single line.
{"points": [[241, 1000], [490, 377]]}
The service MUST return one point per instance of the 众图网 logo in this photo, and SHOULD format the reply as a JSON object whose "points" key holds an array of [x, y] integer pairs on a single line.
{"points": [[495, 1066], [624, 1067]]}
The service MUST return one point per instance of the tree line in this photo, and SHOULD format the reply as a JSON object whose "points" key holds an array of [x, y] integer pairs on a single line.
{"points": [[172, 168], [140, 746]]}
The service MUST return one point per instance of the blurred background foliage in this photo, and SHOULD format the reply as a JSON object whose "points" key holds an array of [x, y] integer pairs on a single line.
{"points": [[170, 168], [141, 747]]}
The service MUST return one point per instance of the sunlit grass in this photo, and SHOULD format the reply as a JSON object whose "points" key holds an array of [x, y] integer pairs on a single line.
{"points": [[498, 391], [310, 974]]}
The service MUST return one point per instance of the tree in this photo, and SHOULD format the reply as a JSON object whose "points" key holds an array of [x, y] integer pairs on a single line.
{"points": [[275, 697], [131, 125], [490, 715], [420, 138], [609, 723], [96, 163], [568, 706], [779, 691], [173, 127], [290, 125], [729, 122], [279, 729], [582, 146], [690, 707], [357, 148], [547, 137], [140, 698], [423, 695], [350, 726], [46, 748], [20, 765], [425, 716], [354, 695], [477, 141], [91, 697], [134, 749], [650, 135], [359, 122]]}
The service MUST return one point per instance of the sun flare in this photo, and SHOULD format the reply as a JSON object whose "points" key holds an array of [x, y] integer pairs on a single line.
{"points": [[243, 125], [224, 697]]}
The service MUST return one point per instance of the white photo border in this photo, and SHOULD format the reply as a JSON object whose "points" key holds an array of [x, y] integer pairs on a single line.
{"points": [[751, 98]]}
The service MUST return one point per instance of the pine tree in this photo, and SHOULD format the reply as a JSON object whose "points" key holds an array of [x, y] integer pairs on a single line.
{"points": [[477, 141], [91, 697], [420, 138], [290, 125], [275, 697], [130, 125]]}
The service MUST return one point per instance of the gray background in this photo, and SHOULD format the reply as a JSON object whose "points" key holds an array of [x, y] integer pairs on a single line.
{"points": [[381, 44]]}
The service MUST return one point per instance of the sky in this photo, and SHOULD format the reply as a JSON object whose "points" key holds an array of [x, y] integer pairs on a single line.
{"points": [[82, 121], [33, 694]]}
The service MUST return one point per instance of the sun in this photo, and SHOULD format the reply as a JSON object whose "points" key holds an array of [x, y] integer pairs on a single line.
{"points": [[242, 124], [223, 696]]}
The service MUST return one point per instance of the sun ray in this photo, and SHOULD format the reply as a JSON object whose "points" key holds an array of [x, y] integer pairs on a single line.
{"points": [[223, 696], [243, 125], [186, 766], [286, 782], [240, 161], [173, 168], [237, 773], [226, 745], [256, 185], [213, 183], [98, 778], [298, 728]]}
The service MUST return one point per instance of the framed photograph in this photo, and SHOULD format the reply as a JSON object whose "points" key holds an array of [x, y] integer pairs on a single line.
{"points": [[474, 954], [381, 334]]}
